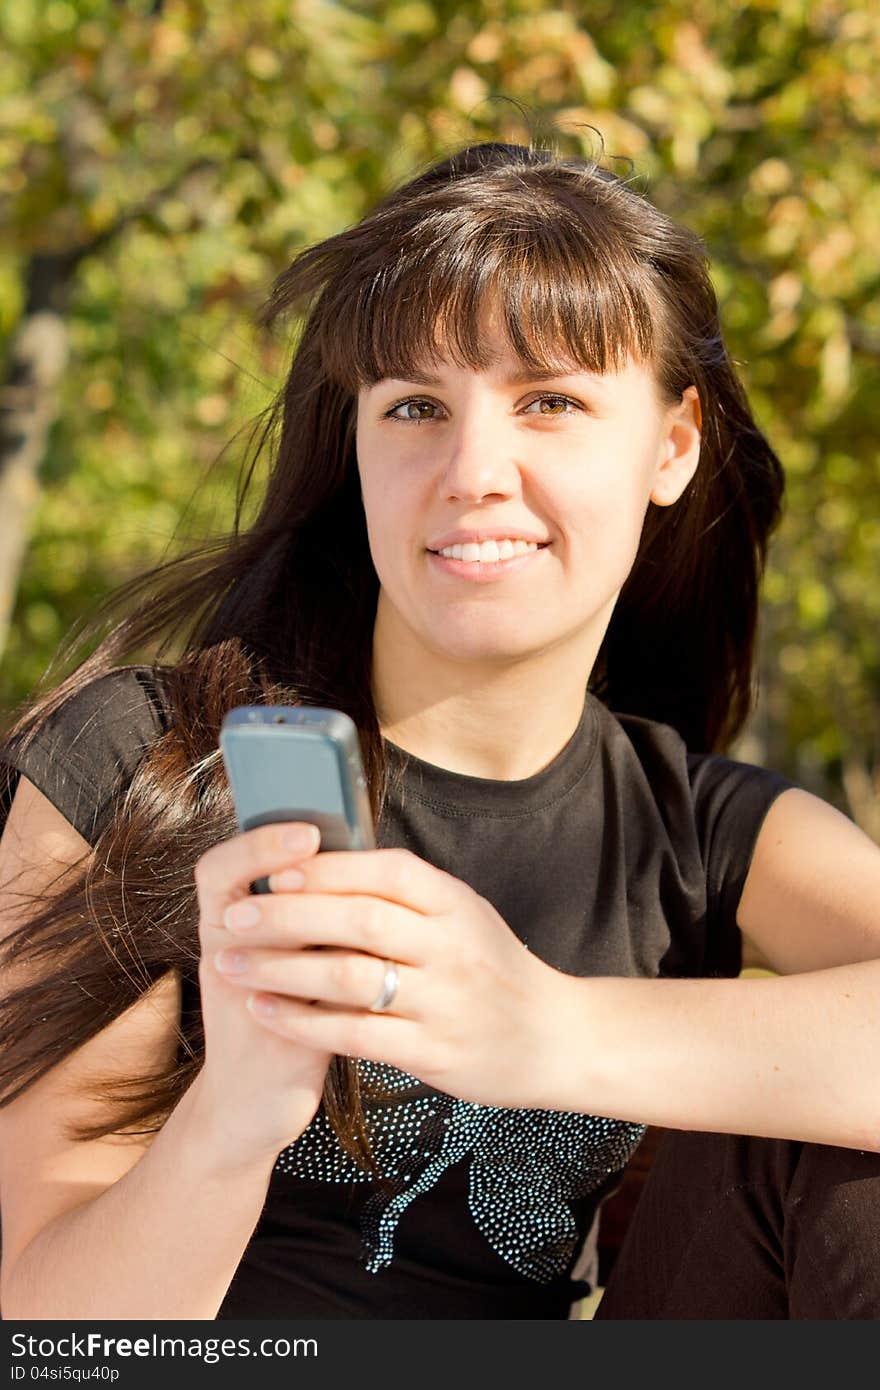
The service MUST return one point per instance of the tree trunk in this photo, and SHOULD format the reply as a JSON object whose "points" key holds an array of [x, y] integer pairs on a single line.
{"points": [[28, 407]]}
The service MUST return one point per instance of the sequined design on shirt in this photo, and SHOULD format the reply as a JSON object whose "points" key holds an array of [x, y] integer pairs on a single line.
{"points": [[527, 1166]]}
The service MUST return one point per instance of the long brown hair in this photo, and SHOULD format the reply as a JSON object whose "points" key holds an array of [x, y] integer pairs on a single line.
{"points": [[283, 611]]}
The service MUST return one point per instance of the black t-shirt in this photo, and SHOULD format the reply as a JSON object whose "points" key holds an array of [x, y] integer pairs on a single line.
{"points": [[626, 855]]}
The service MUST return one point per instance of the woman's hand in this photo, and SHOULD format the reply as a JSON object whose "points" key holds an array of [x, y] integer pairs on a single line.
{"points": [[257, 1090], [475, 1014]]}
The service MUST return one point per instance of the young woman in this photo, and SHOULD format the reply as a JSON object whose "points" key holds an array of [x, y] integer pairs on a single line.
{"points": [[514, 527]]}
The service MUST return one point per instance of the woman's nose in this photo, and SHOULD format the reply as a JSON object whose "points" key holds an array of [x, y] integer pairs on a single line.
{"points": [[481, 460]]}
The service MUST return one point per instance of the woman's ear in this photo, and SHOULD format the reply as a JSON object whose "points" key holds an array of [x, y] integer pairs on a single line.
{"points": [[680, 449]]}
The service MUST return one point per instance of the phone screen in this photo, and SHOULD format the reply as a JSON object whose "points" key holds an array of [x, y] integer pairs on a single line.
{"points": [[282, 775]]}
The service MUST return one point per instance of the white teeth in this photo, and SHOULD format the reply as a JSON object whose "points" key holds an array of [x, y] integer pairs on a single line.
{"points": [[487, 552]]}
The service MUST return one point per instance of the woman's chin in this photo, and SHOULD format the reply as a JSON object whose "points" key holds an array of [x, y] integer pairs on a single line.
{"points": [[487, 649]]}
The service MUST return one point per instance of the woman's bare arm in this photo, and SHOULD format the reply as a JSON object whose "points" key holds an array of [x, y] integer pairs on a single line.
{"points": [[112, 1228], [161, 1242], [787, 1058]]}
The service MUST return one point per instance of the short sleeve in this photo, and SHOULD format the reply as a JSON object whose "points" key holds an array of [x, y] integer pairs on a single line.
{"points": [[89, 746], [731, 800]]}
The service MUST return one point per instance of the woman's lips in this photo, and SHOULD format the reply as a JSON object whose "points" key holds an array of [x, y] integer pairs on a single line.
{"points": [[479, 572]]}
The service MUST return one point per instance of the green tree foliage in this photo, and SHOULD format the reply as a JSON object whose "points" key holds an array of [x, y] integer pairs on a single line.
{"points": [[184, 150]]}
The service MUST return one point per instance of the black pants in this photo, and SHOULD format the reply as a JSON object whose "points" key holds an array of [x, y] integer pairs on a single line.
{"points": [[729, 1226]]}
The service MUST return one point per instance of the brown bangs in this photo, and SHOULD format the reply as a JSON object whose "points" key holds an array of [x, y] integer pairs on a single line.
{"points": [[567, 288]]}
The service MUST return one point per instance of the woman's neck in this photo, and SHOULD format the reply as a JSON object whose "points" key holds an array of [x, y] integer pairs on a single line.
{"points": [[505, 724]]}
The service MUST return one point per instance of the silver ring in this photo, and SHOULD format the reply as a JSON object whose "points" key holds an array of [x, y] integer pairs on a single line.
{"points": [[388, 990]]}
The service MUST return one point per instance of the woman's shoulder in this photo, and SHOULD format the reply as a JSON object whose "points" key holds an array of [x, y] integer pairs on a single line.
{"points": [[716, 801], [115, 713], [711, 807], [658, 749], [90, 741], [719, 801]]}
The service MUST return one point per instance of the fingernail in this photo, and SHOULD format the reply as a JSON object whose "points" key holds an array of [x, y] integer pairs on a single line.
{"points": [[261, 1006], [241, 916], [231, 962], [302, 840]]}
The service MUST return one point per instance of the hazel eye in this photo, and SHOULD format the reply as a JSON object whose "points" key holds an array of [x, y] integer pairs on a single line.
{"points": [[414, 419], [558, 400]]}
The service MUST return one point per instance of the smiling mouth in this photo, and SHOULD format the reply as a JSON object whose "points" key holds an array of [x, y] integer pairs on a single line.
{"points": [[490, 552]]}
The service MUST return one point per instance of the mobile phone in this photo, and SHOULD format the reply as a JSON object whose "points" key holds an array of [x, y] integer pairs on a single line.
{"points": [[291, 762]]}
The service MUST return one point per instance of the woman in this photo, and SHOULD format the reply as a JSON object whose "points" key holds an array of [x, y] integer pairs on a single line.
{"points": [[401, 1085]]}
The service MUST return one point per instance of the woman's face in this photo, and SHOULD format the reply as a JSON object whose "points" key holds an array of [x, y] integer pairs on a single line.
{"points": [[571, 462]]}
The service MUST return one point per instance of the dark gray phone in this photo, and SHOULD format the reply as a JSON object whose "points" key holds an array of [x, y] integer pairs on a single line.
{"points": [[291, 762]]}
